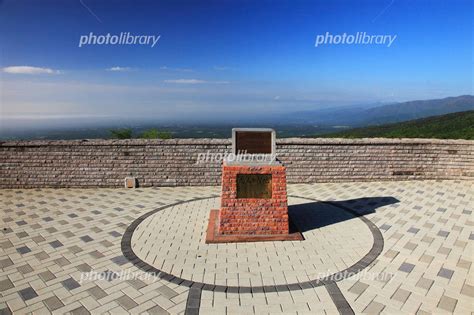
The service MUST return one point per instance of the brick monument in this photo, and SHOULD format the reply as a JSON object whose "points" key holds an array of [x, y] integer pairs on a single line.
{"points": [[253, 200]]}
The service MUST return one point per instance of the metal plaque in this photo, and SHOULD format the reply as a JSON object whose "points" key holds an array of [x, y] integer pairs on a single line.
{"points": [[254, 186]]}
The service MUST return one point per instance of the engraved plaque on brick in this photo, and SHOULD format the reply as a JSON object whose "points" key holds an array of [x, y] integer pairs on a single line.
{"points": [[254, 186]]}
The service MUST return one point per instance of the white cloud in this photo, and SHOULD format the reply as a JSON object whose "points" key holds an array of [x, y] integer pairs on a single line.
{"points": [[117, 68], [185, 81], [29, 70], [194, 81], [176, 69]]}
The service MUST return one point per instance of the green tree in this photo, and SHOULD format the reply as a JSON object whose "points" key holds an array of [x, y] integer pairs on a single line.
{"points": [[123, 133], [155, 134]]}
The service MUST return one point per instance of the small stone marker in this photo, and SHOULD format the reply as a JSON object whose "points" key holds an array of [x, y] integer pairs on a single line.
{"points": [[130, 182]]}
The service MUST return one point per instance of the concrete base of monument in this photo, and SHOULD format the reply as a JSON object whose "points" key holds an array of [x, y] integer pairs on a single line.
{"points": [[213, 235]]}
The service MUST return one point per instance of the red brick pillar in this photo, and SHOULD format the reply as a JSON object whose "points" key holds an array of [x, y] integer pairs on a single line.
{"points": [[253, 216]]}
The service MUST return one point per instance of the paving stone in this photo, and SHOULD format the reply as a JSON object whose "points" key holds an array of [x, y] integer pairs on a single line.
{"points": [[6, 230], [137, 283], [467, 290], [68, 234], [358, 288], [120, 260], [374, 308], [445, 273], [86, 238], [426, 259], [56, 244], [22, 234], [97, 292], [167, 292], [422, 312], [428, 225], [53, 303], [23, 250], [109, 275], [70, 284], [444, 250], [62, 261], [42, 255], [7, 220], [75, 249], [424, 283], [406, 267], [5, 285], [46, 276], [463, 264], [96, 254], [84, 267], [38, 239], [4, 263], [460, 244], [106, 243], [126, 302], [25, 269], [396, 236], [413, 230], [443, 233], [51, 230], [447, 303], [401, 295], [5, 311], [427, 239], [115, 234], [27, 293], [157, 310], [410, 246], [81, 310], [391, 254]]}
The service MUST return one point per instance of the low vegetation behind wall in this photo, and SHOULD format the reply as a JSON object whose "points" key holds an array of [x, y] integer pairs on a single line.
{"points": [[174, 162]]}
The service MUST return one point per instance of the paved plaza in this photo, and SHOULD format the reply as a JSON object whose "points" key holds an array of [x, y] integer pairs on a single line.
{"points": [[381, 247]]}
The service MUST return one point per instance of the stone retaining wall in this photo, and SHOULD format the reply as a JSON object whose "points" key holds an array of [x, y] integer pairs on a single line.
{"points": [[105, 163]]}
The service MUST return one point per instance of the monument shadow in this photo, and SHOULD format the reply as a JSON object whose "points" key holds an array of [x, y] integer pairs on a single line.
{"points": [[317, 214]]}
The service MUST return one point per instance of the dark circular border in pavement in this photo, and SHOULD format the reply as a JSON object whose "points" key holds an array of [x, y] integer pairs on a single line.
{"points": [[377, 247]]}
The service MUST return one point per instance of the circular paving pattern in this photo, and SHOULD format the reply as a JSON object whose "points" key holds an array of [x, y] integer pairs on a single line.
{"points": [[172, 240]]}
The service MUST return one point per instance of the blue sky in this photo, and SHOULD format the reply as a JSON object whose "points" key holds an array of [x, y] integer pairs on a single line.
{"points": [[221, 58]]}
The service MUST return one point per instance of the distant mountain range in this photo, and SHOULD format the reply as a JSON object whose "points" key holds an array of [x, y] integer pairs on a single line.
{"points": [[356, 116], [450, 126], [294, 124]]}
